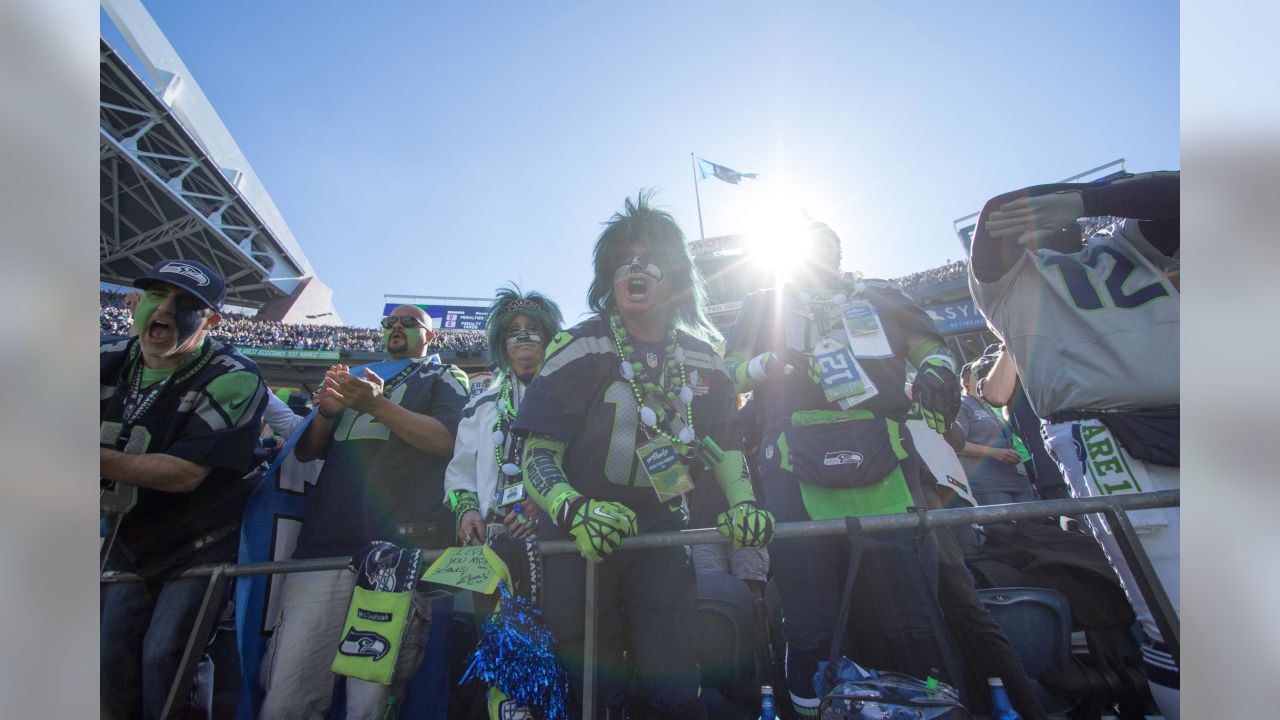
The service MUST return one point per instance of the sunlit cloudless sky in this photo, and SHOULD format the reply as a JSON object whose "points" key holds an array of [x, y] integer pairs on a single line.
{"points": [[446, 148]]}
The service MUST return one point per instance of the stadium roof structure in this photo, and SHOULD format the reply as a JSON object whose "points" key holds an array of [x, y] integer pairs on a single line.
{"points": [[173, 182]]}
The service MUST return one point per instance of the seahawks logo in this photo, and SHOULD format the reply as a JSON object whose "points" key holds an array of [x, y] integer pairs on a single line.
{"points": [[360, 643], [842, 457], [190, 271]]}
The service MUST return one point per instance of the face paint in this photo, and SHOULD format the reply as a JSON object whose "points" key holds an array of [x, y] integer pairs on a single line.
{"points": [[186, 321], [523, 337], [411, 336], [638, 265], [146, 307], [188, 314]]}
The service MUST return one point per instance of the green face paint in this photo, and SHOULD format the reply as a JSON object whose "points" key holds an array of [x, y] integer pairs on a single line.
{"points": [[147, 306], [411, 337]]}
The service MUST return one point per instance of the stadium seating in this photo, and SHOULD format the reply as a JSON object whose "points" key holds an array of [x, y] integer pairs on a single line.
{"points": [[1037, 622], [726, 647]]}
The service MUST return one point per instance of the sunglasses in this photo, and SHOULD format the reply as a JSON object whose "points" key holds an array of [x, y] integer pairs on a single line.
{"points": [[404, 321]]}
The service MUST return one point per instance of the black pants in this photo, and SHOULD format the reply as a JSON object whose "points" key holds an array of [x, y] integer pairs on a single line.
{"points": [[894, 621], [647, 605], [985, 650]]}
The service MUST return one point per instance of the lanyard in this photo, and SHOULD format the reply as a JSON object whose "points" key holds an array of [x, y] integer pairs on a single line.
{"points": [[400, 378], [137, 403]]}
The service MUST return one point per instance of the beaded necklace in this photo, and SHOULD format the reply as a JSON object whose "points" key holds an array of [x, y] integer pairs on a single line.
{"points": [[502, 427], [656, 405]]}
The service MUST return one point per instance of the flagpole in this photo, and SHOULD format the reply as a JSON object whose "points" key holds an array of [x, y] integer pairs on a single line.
{"points": [[693, 162]]}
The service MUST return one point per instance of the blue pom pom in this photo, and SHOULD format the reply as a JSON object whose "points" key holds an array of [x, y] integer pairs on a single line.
{"points": [[516, 654]]}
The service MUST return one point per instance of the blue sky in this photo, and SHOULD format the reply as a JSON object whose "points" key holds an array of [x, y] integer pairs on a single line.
{"points": [[445, 148]]}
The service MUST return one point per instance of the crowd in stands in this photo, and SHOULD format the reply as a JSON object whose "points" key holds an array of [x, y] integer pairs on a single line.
{"points": [[933, 276], [244, 331], [461, 340]]}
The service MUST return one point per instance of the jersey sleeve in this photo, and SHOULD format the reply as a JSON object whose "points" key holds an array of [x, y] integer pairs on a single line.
{"points": [[448, 398], [1129, 232], [724, 427], [907, 324], [461, 473], [224, 424], [559, 399], [965, 417], [113, 355]]}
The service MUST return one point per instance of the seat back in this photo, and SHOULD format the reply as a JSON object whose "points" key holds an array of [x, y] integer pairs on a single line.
{"points": [[1037, 622], [726, 646]]}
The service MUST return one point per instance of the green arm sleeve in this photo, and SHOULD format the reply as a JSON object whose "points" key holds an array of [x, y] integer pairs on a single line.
{"points": [[545, 481], [730, 469], [925, 348], [742, 381]]}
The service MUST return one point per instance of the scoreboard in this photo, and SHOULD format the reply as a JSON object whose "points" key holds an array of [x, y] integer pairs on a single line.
{"points": [[449, 317]]}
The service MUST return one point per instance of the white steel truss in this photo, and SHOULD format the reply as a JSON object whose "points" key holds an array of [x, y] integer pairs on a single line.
{"points": [[162, 196]]}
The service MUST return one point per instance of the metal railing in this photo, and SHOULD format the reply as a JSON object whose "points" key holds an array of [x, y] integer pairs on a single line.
{"points": [[1112, 508]]}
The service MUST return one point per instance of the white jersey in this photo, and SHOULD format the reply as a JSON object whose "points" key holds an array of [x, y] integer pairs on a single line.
{"points": [[474, 467], [1095, 329]]}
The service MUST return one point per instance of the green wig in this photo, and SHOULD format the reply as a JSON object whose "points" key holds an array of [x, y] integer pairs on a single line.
{"points": [[507, 304], [658, 232]]}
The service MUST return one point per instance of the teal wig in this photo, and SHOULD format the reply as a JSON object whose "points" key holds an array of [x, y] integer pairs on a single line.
{"points": [[510, 302], [658, 232]]}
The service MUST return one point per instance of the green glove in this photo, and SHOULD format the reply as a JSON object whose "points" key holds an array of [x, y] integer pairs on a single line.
{"points": [[598, 527], [936, 392], [747, 524]]}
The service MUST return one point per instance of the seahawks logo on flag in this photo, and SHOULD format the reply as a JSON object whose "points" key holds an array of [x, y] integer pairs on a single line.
{"points": [[361, 643]]}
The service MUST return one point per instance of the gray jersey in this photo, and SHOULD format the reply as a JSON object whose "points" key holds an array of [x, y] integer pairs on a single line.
{"points": [[1092, 330]]}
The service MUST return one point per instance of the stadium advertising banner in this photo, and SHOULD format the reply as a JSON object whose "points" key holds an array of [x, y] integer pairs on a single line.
{"points": [[450, 317], [290, 354], [956, 317]]}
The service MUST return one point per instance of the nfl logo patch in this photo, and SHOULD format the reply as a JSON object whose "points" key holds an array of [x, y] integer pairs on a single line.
{"points": [[768, 452], [651, 359]]}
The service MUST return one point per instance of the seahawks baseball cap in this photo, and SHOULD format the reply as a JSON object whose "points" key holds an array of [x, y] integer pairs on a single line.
{"points": [[190, 276]]}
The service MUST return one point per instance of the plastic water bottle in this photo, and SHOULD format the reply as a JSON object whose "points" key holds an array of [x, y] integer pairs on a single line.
{"points": [[768, 711], [1001, 708]]}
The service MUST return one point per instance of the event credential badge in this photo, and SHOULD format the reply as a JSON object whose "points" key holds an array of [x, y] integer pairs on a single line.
{"points": [[866, 336], [839, 375], [661, 464]]}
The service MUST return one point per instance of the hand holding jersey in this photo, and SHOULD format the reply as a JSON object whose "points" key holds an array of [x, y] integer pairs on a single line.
{"points": [[1030, 219]]}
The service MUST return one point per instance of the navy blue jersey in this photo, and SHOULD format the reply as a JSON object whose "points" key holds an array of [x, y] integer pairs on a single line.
{"points": [[581, 398], [376, 486], [207, 411], [790, 329]]}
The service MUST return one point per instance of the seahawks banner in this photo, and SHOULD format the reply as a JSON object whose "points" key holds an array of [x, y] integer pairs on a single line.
{"points": [[377, 628], [269, 532]]}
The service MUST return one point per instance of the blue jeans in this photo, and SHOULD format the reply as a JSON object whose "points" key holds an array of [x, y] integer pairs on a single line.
{"points": [[143, 632]]}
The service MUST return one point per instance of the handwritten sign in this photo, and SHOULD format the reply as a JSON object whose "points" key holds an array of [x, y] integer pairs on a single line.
{"points": [[475, 568]]}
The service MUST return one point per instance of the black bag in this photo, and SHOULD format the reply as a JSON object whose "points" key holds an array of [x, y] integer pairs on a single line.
{"points": [[845, 454]]}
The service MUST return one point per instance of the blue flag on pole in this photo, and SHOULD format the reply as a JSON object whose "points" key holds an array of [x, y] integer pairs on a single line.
{"points": [[708, 169]]}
